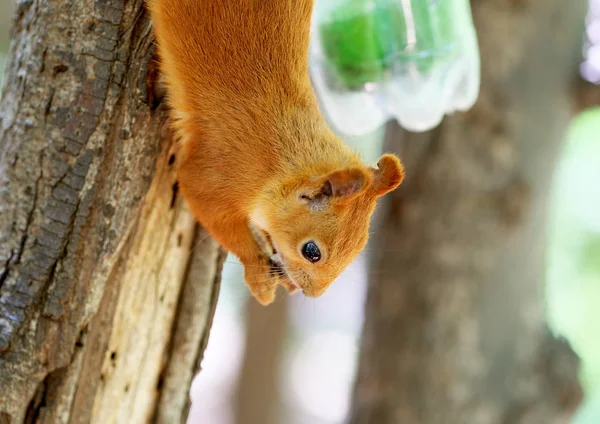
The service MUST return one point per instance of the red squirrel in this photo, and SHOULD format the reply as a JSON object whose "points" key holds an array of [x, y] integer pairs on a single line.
{"points": [[257, 164]]}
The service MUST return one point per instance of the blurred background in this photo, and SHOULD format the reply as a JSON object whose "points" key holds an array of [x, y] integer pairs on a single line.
{"points": [[295, 362]]}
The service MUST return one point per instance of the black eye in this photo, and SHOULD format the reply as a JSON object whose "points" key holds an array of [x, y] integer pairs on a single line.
{"points": [[311, 252]]}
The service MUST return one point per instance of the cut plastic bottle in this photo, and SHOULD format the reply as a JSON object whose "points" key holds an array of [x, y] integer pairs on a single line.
{"points": [[376, 60]]}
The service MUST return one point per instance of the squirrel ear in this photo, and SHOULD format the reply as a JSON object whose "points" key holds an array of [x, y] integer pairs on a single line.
{"points": [[345, 183], [388, 175]]}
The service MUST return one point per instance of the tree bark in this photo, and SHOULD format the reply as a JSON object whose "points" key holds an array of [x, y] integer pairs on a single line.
{"points": [[455, 329], [96, 312]]}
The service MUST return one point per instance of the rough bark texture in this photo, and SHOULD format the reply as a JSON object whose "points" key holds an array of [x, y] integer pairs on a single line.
{"points": [[455, 328], [190, 338], [94, 242]]}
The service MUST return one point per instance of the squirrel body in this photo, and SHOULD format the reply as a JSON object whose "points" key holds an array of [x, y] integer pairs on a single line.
{"points": [[255, 152]]}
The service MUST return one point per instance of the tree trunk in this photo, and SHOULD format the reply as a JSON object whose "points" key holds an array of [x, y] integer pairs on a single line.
{"points": [[259, 396], [98, 323], [455, 329]]}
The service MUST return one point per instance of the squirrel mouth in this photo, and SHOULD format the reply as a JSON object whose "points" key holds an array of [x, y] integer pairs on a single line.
{"points": [[276, 268], [276, 259]]}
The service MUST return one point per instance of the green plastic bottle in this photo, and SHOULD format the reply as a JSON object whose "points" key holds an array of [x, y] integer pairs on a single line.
{"points": [[415, 59]]}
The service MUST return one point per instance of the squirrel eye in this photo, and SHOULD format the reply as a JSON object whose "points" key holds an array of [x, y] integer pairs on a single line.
{"points": [[311, 252]]}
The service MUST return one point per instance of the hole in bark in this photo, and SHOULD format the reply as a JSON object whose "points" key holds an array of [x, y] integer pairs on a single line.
{"points": [[155, 91], [175, 190], [89, 25], [59, 69], [171, 159], [179, 239], [37, 403], [126, 388], [43, 395], [113, 356]]}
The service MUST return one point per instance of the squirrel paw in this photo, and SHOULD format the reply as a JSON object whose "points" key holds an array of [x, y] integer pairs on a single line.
{"points": [[262, 278], [264, 295]]}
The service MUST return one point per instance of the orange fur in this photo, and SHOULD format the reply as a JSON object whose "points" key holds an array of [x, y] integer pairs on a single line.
{"points": [[255, 149]]}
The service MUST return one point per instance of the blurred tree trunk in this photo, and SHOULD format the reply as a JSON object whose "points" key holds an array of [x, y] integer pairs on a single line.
{"points": [[455, 329], [98, 323], [586, 94], [258, 397]]}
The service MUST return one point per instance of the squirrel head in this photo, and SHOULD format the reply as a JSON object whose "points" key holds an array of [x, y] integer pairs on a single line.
{"points": [[318, 225]]}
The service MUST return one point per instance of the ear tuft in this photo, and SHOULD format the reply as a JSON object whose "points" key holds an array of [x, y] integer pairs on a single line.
{"points": [[389, 174]]}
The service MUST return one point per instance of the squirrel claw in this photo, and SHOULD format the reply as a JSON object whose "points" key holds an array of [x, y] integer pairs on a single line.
{"points": [[288, 285]]}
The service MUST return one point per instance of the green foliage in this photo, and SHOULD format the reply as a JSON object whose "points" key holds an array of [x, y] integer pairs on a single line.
{"points": [[573, 283]]}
